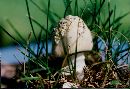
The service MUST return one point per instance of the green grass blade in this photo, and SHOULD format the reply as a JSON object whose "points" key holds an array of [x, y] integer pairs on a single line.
{"points": [[101, 6], [47, 32], [107, 20], [29, 15], [9, 35], [119, 18], [68, 8], [30, 78], [76, 8], [45, 11], [21, 44], [42, 27], [16, 31]]}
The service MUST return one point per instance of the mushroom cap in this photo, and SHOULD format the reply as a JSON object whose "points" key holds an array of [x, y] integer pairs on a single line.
{"points": [[74, 33]]}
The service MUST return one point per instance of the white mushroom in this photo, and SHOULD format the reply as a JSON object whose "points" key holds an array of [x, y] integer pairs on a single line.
{"points": [[74, 34]]}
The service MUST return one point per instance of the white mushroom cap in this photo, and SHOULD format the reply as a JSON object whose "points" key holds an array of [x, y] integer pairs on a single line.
{"points": [[73, 31]]}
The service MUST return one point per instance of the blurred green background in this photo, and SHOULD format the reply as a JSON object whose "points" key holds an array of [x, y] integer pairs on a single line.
{"points": [[15, 11]]}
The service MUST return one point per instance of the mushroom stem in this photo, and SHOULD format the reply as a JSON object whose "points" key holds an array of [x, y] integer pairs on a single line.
{"points": [[80, 63]]}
